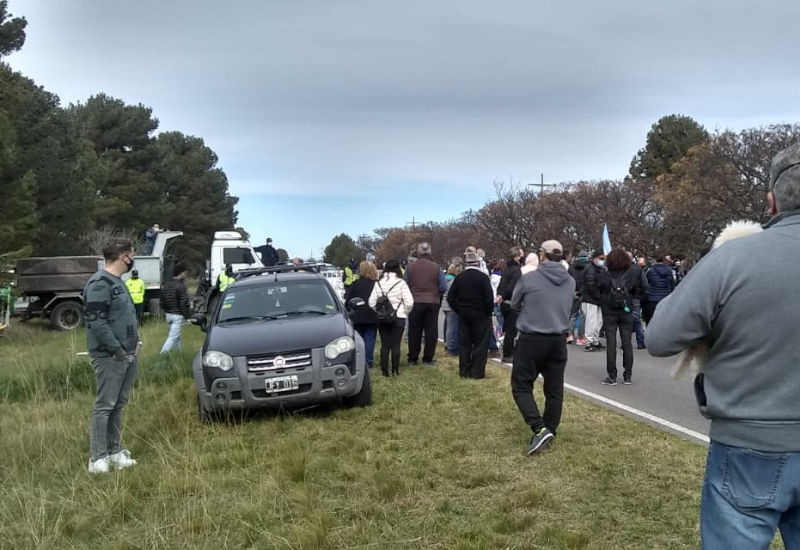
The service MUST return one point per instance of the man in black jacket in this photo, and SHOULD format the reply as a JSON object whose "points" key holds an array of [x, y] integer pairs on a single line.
{"points": [[590, 296], [505, 289], [175, 303], [472, 298], [269, 256]]}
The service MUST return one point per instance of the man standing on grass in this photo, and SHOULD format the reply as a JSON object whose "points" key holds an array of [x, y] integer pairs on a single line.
{"points": [[750, 383], [111, 338], [471, 297], [427, 283], [543, 299], [175, 303]]}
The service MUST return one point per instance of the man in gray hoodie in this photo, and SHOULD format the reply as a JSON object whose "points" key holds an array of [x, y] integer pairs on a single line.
{"points": [[750, 385], [543, 299]]}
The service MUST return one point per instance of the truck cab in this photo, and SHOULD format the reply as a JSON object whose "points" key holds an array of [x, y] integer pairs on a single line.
{"points": [[230, 248]]}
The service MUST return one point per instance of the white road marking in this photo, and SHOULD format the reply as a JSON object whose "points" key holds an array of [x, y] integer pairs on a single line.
{"points": [[697, 436], [631, 410]]}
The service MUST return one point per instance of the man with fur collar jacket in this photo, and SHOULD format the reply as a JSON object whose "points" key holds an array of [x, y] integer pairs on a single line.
{"points": [[750, 384]]}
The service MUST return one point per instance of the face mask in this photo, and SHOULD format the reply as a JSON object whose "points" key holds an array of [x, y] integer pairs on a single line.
{"points": [[601, 263], [129, 266]]}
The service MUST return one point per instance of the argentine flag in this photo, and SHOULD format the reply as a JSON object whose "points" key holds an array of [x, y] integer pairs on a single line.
{"points": [[606, 240]]}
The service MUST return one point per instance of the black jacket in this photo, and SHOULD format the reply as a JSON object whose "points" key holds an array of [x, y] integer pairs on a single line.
{"points": [[361, 288], [631, 278], [578, 272], [174, 298], [471, 291], [589, 292], [508, 280], [269, 256]]}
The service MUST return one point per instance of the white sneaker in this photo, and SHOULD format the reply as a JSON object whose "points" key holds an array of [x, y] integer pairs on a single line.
{"points": [[99, 466], [122, 459]]}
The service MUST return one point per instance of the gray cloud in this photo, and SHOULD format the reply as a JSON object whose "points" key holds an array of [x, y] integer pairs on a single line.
{"points": [[316, 97]]}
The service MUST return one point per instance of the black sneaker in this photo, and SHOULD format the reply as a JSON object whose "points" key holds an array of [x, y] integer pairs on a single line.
{"points": [[508, 359], [626, 380], [413, 362], [641, 346], [429, 363], [539, 440], [608, 381], [592, 347], [599, 346]]}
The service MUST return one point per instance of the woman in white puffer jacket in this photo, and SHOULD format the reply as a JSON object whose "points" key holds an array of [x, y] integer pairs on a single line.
{"points": [[392, 285]]}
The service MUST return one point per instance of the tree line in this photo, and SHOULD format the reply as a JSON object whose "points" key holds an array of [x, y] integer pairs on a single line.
{"points": [[70, 173], [681, 189]]}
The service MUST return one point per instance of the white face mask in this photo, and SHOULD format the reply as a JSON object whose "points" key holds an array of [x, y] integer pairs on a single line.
{"points": [[601, 263]]}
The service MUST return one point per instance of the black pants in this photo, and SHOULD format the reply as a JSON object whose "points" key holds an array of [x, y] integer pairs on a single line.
{"points": [[544, 354], [139, 312], [509, 328], [473, 343], [648, 309], [424, 318], [391, 336], [623, 321]]}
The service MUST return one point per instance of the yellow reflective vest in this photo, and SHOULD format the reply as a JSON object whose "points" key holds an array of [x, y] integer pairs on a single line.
{"points": [[224, 281], [349, 276], [136, 290]]}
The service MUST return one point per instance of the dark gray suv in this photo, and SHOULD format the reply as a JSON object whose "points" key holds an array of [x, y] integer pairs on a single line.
{"points": [[280, 337]]}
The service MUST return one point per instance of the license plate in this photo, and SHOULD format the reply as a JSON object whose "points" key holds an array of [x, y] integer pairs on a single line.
{"points": [[282, 383]]}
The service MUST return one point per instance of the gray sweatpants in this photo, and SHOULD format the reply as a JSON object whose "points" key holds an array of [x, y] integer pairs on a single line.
{"points": [[113, 380]]}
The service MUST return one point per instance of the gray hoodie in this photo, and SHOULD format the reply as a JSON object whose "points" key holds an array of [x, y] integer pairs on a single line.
{"points": [[544, 299], [742, 300]]}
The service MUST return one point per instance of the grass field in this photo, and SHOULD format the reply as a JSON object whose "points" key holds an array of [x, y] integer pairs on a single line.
{"points": [[437, 462]]}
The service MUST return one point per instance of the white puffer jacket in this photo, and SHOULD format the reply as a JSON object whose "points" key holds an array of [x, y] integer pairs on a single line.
{"points": [[398, 292]]}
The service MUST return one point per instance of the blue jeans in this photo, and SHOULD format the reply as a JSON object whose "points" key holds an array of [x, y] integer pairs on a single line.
{"points": [[368, 333], [747, 495], [175, 321], [451, 332]]}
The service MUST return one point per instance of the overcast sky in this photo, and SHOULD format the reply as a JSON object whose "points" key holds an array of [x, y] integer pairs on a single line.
{"points": [[344, 116]]}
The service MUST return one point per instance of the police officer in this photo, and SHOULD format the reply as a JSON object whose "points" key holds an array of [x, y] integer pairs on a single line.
{"points": [[225, 279], [135, 288], [350, 274]]}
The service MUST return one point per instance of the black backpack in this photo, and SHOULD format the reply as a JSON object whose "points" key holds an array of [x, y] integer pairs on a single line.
{"points": [[383, 307], [620, 298]]}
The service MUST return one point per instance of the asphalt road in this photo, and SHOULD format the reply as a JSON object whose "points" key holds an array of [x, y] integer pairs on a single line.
{"points": [[655, 397]]}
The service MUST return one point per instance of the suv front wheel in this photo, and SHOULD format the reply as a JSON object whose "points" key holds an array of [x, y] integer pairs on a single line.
{"points": [[362, 398]]}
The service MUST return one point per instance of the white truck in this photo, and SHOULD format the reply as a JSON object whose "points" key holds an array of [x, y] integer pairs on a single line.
{"points": [[228, 248]]}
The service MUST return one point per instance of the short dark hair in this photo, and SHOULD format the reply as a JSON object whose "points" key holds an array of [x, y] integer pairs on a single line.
{"points": [[116, 248], [515, 251]]}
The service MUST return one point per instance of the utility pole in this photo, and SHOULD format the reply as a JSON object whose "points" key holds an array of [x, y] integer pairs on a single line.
{"points": [[541, 185], [413, 223]]}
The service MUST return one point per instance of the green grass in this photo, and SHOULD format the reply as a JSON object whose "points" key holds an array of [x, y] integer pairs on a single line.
{"points": [[437, 462]]}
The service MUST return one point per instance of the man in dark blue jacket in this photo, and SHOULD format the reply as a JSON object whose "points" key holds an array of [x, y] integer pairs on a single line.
{"points": [[660, 283]]}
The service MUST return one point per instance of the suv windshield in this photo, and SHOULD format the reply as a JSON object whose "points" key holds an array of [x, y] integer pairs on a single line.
{"points": [[277, 299]]}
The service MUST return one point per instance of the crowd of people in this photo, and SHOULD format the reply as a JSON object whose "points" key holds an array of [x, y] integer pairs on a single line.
{"points": [[544, 301]]}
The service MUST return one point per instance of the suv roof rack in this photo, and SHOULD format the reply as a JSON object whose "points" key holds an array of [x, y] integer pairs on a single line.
{"points": [[309, 268]]}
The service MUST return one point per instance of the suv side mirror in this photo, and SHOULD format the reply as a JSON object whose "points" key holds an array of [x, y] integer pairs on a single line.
{"points": [[354, 303]]}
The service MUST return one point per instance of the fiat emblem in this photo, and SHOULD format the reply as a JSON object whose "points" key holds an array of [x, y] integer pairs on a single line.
{"points": [[279, 362]]}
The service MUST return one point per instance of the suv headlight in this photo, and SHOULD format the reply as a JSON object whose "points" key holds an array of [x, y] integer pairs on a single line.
{"points": [[218, 360], [339, 346]]}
